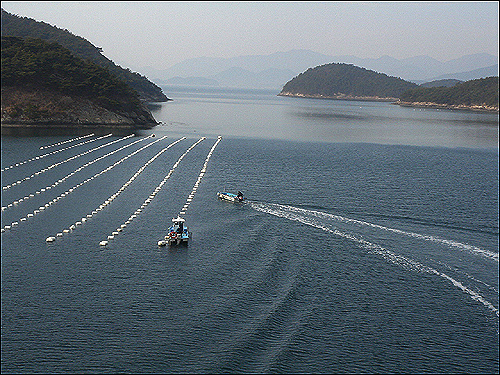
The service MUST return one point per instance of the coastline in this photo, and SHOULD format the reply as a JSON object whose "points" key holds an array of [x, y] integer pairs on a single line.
{"points": [[396, 101], [339, 97], [460, 107], [42, 130]]}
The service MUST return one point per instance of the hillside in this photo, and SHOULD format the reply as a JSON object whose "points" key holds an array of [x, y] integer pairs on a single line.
{"points": [[24, 27], [345, 81], [45, 84], [478, 94]]}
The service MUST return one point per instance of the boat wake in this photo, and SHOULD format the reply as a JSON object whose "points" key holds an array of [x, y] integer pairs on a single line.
{"points": [[349, 229]]}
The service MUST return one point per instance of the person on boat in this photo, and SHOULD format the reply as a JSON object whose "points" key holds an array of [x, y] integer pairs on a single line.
{"points": [[181, 227]]}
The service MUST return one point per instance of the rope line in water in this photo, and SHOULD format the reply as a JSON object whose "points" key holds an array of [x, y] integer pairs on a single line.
{"points": [[195, 187], [68, 141], [69, 191], [62, 162], [42, 190], [151, 196], [113, 197], [54, 152], [200, 176]]}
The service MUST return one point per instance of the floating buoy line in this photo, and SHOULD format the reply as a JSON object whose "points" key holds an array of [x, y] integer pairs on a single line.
{"points": [[54, 152], [61, 180], [64, 161], [68, 141], [195, 187], [113, 197], [200, 176], [150, 197], [69, 191]]}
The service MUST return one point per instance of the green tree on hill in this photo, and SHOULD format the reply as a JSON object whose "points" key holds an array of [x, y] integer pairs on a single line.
{"points": [[482, 91], [38, 64]]}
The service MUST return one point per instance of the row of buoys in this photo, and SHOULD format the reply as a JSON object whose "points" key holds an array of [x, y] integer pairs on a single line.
{"points": [[200, 176], [68, 141], [150, 197], [42, 208], [124, 186], [61, 180], [54, 152], [62, 162]]}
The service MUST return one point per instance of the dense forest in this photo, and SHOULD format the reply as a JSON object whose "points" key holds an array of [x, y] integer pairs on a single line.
{"points": [[337, 80], [478, 92], [24, 27], [32, 65]]}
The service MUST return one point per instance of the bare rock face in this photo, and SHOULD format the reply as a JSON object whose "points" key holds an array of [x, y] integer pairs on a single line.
{"points": [[30, 106]]}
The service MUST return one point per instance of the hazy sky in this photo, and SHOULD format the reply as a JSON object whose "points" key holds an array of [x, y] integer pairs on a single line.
{"points": [[161, 34]]}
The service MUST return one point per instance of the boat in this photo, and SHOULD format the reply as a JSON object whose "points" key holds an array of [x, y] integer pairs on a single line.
{"points": [[230, 196], [178, 233]]}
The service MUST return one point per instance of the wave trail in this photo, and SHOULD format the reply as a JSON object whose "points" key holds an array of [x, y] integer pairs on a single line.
{"points": [[461, 246], [300, 215]]}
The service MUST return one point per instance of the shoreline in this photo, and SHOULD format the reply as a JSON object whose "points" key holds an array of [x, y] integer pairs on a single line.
{"points": [[396, 101], [340, 97], [35, 130], [459, 107]]}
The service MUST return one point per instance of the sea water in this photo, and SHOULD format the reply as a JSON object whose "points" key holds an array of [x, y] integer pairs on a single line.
{"points": [[368, 242]]}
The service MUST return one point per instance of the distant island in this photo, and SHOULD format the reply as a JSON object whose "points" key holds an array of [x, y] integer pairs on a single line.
{"points": [[348, 82], [345, 81]]}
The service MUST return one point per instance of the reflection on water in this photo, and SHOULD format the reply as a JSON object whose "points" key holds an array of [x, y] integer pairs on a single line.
{"points": [[263, 114]]}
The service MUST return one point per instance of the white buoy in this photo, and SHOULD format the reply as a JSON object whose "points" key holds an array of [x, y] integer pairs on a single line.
{"points": [[103, 243], [162, 243], [50, 239]]}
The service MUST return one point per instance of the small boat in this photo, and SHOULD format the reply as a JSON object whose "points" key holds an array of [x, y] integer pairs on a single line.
{"points": [[230, 196], [178, 233]]}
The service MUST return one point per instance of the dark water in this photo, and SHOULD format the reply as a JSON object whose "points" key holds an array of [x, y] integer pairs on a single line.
{"points": [[349, 256]]}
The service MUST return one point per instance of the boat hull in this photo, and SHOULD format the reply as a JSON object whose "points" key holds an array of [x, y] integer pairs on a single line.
{"points": [[229, 197]]}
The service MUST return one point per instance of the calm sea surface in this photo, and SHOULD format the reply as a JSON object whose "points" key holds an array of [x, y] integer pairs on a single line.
{"points": [[368, 242]]}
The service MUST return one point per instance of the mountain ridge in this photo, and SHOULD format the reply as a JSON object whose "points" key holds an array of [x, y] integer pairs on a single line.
{"points": [[416, 69]]}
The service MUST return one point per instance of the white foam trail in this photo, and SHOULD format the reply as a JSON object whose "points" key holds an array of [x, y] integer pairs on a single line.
{"points": [[54, 152], [151, 196], [69, 191], [472, 249], [68, 141], [283, 211]]}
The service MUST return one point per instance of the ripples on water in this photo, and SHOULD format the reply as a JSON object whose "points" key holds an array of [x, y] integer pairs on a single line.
{"points": [[345, 258]]}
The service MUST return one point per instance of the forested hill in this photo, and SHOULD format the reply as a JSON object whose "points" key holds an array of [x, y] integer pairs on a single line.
{"points": [[45, 84], [475, 94], [345, 81], [24, 27]]}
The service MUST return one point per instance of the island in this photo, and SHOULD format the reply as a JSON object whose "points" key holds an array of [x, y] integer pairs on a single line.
{"points": [[46, 88], [341, 81], [347, 82]]}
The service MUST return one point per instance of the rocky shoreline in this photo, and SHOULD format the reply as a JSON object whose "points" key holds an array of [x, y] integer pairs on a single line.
{"points": [[396, 101], [463, 107], [28, 111], [339, 97]]}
